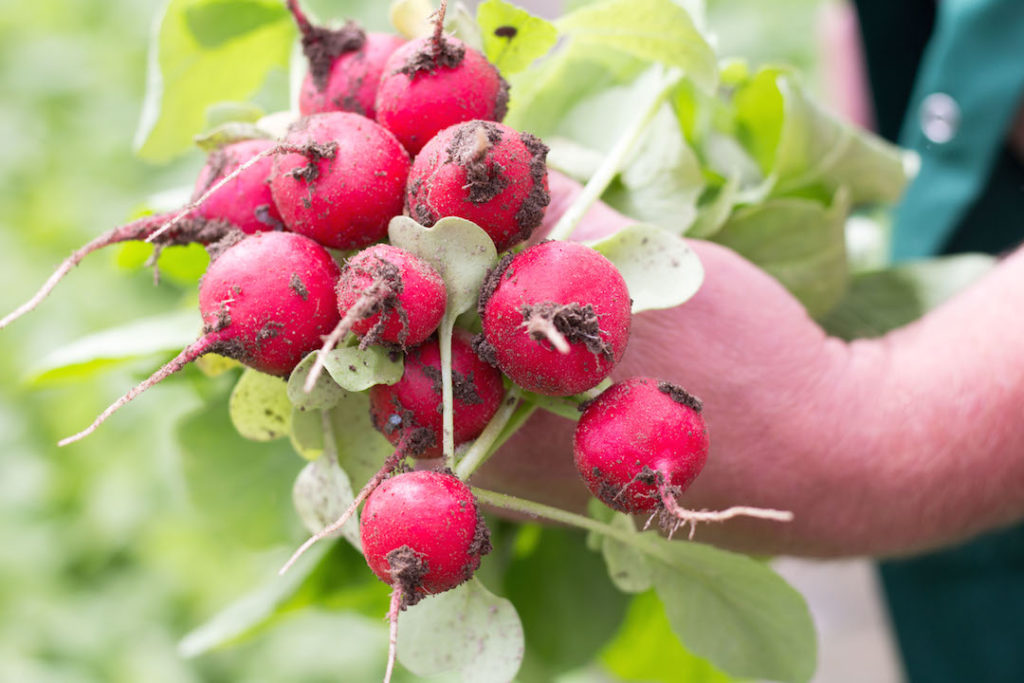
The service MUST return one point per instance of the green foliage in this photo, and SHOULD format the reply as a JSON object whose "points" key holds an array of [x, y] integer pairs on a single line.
{"points": [[259, 407], [205, 52], [512, 37]]}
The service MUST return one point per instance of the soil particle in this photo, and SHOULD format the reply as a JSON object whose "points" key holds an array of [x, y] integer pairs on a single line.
{"points": [[228, 240], [296, 286], [501, 99], [463, 387], [531, 213], [681, 396], [263, 215], [468, 149], [323, 45], [441, 54], [491, 283], [480, 545], [485, 350], [582, 407], [270, 329], [579, 324], [407, 571], [419, 440], [508, 32], [314, 152], [232, 348]]}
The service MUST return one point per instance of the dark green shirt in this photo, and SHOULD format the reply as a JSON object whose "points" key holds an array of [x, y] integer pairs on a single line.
{"points": [[947, 78]]}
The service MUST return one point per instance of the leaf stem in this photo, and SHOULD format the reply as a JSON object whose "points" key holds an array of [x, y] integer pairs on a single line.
{"points": [[612, 163], [482, 448], [444, 341]]}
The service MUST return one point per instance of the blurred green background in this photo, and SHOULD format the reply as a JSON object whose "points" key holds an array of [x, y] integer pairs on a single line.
{"points": [[107, 556]]}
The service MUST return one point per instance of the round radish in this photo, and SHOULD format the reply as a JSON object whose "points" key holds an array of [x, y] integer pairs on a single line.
{"points": [[266, 301], [349, 185], [409, 411], [348, 82], [555, 318], [422, 533], [434, 82], [640, 437], [245, 200], [485, 172]]}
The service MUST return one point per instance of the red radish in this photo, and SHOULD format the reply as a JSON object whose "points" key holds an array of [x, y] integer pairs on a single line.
{"points": [[422, 533], [345, 65], [640, 444], [242, 203], [386, 295], [344, 197], [434, 82], [409, 411], [485, 172], [555, 317], [266, 301], [245, 200]]}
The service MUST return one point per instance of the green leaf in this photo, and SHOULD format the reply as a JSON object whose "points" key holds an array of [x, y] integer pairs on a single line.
{"points": [[800, 145], [361, 449], [798, 241], [461, 24], [512, 37], [252, 610], [660, 269], [103, 350], [628, 568], [220, 113], [228, 133], [881, 300], [459, 250], [653, 30], [242, 489], [467, 629], [568, 606], [321, 494], [645, 649], [325, 394], [358, 369], [204, 52], [307, 434], [734, 611], [259, 406]]}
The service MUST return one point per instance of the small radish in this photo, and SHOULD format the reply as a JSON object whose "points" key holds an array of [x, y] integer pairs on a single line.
{"points": [[640, 444], [422, 533], [409, 411], [345, 196], [345, 65], [485, 172], [266, 301], [386, 295], [555, 317], [243, 203], [434, 82]]}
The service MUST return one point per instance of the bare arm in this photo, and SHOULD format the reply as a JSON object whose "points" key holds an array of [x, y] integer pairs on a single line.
{"points": [[879, 447]]}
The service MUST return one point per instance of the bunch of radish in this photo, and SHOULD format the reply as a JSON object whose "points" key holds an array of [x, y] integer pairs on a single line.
{"points": [[388, 128]]}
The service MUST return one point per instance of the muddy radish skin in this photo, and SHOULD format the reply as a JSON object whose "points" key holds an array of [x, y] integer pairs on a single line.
{"points": [[422, 533], [485, 172], [556, 318], [349, 81], [343, 192], [244, 201], [634, 433], [434, 82], [409, 411]]}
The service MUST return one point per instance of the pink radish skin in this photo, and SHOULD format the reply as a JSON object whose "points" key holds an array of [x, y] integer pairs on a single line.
{"points": [[265, 301], [422, 533], [412, 301], [409, 411], [244, 201], [484, 172], [635, 432], [434, 82], [561, 293], [351, 82], [344, 197]]}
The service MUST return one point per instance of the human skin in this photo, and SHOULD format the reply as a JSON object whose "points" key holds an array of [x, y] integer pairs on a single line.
{"points": [[879, 447]]}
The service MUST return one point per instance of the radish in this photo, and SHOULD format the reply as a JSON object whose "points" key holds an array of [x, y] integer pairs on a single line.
{"points": [[485, 172], [345, 65], [555, 318], [386, 295], [422, 533], [266, 301], [242, 203], [409, 411], [343, 197], [434, 82], [640, 444]]}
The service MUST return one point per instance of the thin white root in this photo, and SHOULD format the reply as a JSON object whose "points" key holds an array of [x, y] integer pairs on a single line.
{"points": [[396, 607], [541, 326]]}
